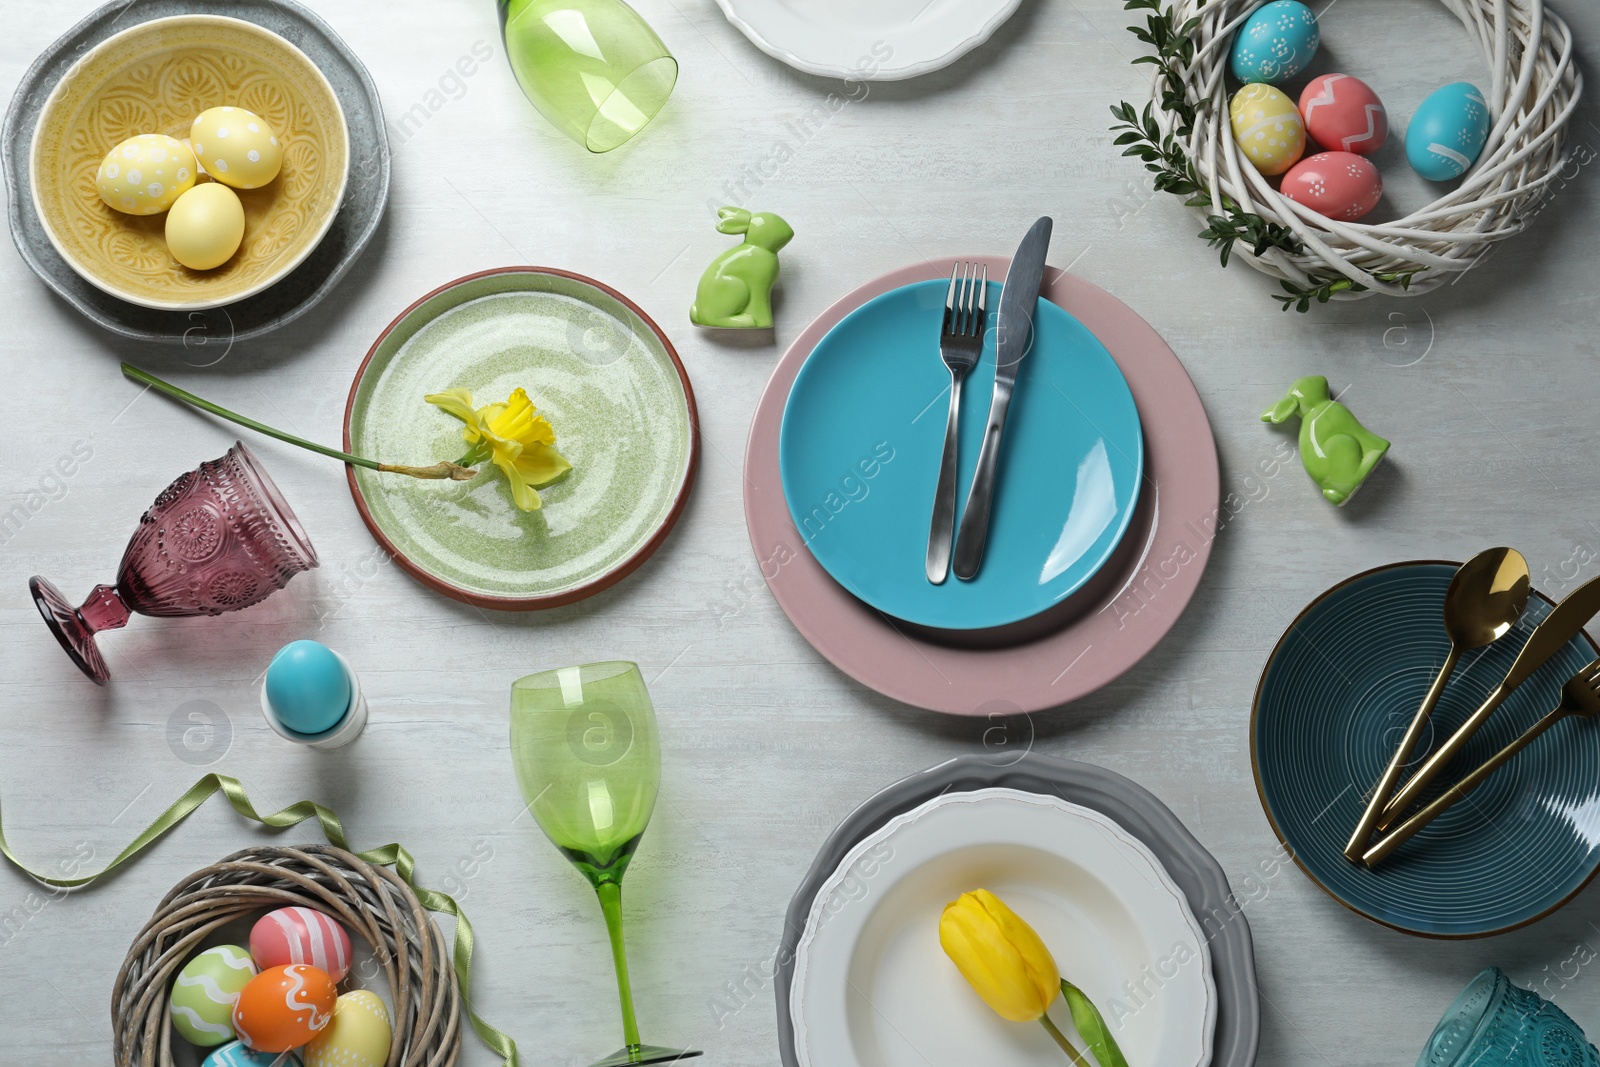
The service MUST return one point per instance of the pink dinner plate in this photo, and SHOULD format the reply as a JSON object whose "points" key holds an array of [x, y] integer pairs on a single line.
{"points": [[1116, 621]]}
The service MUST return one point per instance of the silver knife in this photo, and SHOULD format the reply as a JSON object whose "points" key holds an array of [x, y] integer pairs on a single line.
{"points": [[1013, 337], [1549, 637]]}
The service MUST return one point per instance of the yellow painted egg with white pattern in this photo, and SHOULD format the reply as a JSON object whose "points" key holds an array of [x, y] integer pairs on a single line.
{"points": [[237, 147], [145, 174], [1267, 128], [358, 1036]]}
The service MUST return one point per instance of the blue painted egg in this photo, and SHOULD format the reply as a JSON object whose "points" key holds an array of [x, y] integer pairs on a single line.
{"points": [[1275, 43], [1447, 132], [308, 687], [238, 1054]]}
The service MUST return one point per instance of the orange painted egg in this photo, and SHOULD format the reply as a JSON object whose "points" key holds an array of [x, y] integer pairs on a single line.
{"points": [[284, 1007]]}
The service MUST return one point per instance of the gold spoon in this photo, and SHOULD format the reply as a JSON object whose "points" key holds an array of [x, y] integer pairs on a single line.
{"points": [[1485, 597]]}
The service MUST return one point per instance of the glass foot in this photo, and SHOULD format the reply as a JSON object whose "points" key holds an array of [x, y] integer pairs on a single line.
{"points": [[645, 1054], [75, 636]]}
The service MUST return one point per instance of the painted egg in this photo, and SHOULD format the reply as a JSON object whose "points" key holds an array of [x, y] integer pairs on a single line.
{"points": [[1267, 128], [236, 147], [284, 1007], [1342, 114], [205, 226], [1275, 43], [145, 174], [1447, 132], [301, 935], [309, 690], [1340, 185], [239, 1054], [205, 991], [359, 1035]]}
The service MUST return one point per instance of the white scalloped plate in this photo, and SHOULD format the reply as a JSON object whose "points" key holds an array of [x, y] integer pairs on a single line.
{"points": [[888, 40], [872, 988]]}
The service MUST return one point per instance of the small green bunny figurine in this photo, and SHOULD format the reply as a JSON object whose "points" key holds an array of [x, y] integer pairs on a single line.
{"points": [[1335, 449], [735, 292]]}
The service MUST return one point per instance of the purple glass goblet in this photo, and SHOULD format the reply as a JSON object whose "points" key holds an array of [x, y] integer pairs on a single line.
{"points": [[218, 539]]}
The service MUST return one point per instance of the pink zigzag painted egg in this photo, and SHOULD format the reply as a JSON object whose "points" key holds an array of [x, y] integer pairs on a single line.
{"points": [[301, 935], [1343, 114], [1339, 185]]}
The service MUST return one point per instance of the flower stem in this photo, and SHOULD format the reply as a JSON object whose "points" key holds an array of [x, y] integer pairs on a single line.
{"points": [[453, 471], [221, 412], [1061, 1039]]}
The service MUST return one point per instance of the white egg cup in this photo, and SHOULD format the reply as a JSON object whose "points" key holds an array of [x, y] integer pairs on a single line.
{"points": [[341, 733]]}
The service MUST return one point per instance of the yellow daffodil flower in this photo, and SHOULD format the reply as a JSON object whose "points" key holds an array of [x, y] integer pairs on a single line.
{"points": [[518, 441], [999, 955]]}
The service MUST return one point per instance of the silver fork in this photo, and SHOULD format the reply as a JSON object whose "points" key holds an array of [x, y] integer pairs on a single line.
{"points": [[960, 342]]}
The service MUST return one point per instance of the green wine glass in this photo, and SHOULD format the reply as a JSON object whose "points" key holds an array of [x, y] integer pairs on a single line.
{"points": [[594, 68], [588, 760]]}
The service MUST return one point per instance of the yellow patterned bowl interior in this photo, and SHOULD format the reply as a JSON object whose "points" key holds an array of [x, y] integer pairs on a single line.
{"points": [[155, 78]]}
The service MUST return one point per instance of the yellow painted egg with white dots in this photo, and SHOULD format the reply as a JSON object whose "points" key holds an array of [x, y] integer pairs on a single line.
{"points": [[145, 174], [1267, 128], [237, 147], [358, 1036]]}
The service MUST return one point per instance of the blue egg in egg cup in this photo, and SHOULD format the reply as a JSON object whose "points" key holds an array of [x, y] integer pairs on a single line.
{"points": [[312, 696]]}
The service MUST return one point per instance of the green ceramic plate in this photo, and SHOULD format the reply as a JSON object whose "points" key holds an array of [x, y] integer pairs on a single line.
{"points": [[596, 366]]}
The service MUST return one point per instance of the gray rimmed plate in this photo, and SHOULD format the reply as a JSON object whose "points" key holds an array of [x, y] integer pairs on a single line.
{"points": [[366, 192], [1135, 809]]}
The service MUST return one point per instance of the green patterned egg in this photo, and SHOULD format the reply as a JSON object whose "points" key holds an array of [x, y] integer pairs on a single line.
{"points": [[205, 992]]}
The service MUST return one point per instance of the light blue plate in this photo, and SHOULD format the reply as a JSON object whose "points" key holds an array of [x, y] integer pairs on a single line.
{"points": [[859, 457]]}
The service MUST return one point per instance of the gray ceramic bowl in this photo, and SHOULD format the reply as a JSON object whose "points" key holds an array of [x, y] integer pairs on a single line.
{"points": [[1135, 809], [365, 194]]}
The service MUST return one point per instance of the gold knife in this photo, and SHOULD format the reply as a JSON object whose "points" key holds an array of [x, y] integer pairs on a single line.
{"points": [[1559, 627]]}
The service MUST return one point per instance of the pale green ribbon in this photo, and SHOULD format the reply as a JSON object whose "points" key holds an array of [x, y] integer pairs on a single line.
{"points": [[386, 855]]}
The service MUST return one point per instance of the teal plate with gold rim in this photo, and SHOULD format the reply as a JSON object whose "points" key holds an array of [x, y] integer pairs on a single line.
{"points": [[612, 387], [1333, 701]]}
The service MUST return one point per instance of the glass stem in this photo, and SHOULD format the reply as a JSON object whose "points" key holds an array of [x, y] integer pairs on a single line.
{"points": [[610, 894]]}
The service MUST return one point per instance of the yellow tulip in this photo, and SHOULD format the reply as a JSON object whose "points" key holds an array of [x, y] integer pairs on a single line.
{"points": [[999, 955], [519, 441]]}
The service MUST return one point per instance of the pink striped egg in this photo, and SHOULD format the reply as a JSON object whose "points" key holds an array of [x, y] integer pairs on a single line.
{"points": [[1343, 114], [300, 935], [1340, 185]]}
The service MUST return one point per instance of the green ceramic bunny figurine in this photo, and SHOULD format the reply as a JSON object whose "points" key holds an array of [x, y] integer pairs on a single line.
{"points": [[736, 290], [1335, 449]]}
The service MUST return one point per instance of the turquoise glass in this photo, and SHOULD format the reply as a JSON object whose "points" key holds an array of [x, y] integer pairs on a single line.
{"points": [[594, 68], [1496, 1024]]}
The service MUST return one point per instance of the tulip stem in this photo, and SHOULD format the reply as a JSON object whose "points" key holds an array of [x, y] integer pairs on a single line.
{"points": [[1061, 1039], [453, 471]]}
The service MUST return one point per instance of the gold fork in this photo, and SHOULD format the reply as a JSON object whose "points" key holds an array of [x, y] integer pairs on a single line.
{"points": [[1579, 696]]}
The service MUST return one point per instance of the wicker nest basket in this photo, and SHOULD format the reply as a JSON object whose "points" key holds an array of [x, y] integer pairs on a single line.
{"points": [[371, 901], [1533, 89]]}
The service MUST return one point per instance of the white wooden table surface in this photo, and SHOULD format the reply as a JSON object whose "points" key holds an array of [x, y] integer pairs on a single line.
{"points": [[1487, 389]]}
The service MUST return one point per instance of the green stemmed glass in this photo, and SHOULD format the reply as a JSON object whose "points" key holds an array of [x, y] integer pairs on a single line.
{"points": [[594, 68], [589, 763]]}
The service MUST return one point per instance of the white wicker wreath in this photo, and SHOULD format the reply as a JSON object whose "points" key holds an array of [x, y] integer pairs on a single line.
{"points": [[1533, 89]]}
